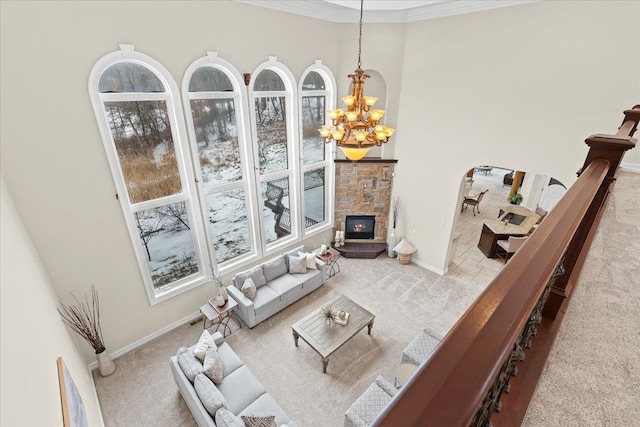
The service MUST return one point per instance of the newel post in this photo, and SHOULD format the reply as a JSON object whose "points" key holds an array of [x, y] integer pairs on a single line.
{"points": [[605, 147]]}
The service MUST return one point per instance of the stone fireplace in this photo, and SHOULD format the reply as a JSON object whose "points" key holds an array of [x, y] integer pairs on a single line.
{"points": [[364, 188]]}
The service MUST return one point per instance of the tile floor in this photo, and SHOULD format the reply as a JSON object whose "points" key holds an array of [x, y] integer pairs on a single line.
{"points": [[468, 263]]}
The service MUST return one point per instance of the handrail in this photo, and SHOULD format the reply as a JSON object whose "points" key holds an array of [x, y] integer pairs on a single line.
{"points": [[462, 382]]}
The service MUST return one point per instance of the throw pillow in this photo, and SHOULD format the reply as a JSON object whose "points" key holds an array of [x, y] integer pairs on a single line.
{"points": [[203, 344], [188, 363], [297, 264], [259, 420], [249, 289], [256, 275], [212, 366], [310, 259], [209, 395], [274, 268], [225, 418]]}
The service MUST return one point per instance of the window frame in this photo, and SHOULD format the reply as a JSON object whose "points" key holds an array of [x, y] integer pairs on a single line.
{"points": [[329, 153], [127, 53], [247, 183], [293, 153]]}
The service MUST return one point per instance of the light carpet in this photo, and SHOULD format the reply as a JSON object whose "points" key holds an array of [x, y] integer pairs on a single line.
{"points": [[404, 299]]}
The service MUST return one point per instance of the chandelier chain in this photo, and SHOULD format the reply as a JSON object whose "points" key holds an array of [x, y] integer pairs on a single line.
{"points": [[360, 38]]}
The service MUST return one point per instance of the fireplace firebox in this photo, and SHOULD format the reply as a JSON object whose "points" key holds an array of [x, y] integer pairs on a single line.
{"points": [[360, 227]]}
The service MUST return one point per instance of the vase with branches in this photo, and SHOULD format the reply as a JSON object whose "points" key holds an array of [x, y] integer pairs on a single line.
{"points": [[395, 214], [84, 319]]}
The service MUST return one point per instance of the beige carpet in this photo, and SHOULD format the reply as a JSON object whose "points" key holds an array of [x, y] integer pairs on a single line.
{"points": [[593, 374], [404, 298]]}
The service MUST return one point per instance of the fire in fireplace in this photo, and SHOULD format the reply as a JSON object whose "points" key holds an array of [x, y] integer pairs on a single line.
{"points": [[360, 227]]}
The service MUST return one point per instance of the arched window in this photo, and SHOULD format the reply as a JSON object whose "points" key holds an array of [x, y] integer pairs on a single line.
{"points": [[138, 112], [273, 113], [213, 92], [317, 95]]}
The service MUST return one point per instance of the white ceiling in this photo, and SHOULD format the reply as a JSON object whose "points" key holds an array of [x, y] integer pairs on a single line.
{"points": [[389, 11]]}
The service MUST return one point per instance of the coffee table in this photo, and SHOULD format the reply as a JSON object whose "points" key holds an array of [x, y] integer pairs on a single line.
{"points": [[325, 338]]}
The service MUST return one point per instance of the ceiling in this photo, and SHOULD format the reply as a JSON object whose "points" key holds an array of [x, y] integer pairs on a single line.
{"points": [[382, 11]]}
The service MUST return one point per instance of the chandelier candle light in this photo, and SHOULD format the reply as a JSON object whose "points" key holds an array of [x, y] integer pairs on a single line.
{"points": [[357, 130]]}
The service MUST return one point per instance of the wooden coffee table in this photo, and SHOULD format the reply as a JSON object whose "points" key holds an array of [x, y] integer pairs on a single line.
{"points": [[325, 338]]}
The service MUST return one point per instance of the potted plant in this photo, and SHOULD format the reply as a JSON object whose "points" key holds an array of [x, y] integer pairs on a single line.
{"points": [[515, 199], [84, 319]]}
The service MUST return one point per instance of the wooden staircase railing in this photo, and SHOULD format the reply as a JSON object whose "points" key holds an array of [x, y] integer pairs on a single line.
{"points": [[471, 377]]}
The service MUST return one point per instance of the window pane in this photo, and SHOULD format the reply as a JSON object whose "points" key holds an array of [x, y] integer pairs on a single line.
{"points": [[229, 223], [312, 120], [268, 80], [214, 121], [272, 133], [129, 77], [313, 81], [166, 236], [276, 215], [142, 136], [313, 197], [209, 79]]}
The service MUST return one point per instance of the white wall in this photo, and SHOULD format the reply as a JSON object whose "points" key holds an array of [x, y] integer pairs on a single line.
{"points": [[32, 336], [520, 86], [52, 156]]}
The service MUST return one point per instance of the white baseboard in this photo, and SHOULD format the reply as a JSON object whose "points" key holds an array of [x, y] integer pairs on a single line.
{"points": [[148, 338], [95, 396], [428, 267], [630, 167]]}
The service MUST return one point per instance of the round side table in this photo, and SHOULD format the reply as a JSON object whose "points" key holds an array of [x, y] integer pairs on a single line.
{"points": [[404, 372]]}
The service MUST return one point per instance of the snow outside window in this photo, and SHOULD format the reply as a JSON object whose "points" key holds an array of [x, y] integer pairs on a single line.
{"points": [[274, 112], [213, 93], [317, 95], [140, 120]]}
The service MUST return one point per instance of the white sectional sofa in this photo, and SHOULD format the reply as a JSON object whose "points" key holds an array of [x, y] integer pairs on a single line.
{"points": [[241, 391], [276, 287]]}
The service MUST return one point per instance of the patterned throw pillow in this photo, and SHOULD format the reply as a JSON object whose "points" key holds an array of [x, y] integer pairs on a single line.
{"points": [[212, 366], [297, 264], [310, 259], [249, 289], [259, 421], [204, 343]]}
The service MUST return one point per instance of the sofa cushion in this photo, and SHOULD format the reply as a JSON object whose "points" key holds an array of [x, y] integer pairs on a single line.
{"points": [[204, 342], [256, 275], [274, 268], [286, 284], [266, 405], [209, 395], [225, 418], [230, 360], [310, 259], [265, 296], [311, 278], [212, 366], [293, 252], [297, 264], [259, 421], [249, 288], [188, 363], [240, 389]]}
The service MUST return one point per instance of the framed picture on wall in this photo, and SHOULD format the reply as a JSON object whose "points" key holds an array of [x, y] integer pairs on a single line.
{"points": [[73, 413]]}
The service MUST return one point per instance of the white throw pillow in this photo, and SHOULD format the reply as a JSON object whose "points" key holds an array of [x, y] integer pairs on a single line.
{"points": [[213, 365], [204, 342], [297, 264], [249, 289], [311, 260]]}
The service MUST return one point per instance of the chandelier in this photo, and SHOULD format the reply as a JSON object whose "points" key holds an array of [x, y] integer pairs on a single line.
{"points": [[357, 130]]}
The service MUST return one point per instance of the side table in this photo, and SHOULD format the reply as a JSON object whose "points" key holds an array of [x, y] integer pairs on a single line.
{"points": [[331, 260], [220, 316], [405, 371]]}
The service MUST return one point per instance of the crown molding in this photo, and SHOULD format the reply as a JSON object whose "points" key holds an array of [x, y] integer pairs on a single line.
{"points": [[320, 9]]}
